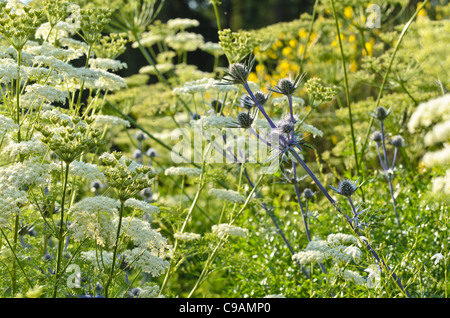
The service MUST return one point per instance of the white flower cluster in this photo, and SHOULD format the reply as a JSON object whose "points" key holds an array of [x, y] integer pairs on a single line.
{"points": [[308, 257], [185, 41], [435, 113], [182, 171], [114, 121], [228, 229], [143, 206], [335, 247], [88, 171], [227, 195], [7, 126], [213, 122], [46, 92], [150, 246], [11, 202], [107, 64], [212, 48], [99, 262], [29, 147], [93, 218], [27, 173], [187, 236], [204, 85], [160, 67], [182, 23]]}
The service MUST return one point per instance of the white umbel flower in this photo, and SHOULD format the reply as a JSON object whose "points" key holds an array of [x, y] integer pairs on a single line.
{"points": [[187, 236], [182, 171], [228, 229], [228, 195]]}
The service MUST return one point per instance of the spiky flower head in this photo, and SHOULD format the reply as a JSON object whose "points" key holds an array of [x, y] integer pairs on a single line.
{"points": [[376, 136], [287, 86], [398, 141], [286, 126], [308, 194], [346, 187], [244, 120], [381, 113], [216, 105], [238, 73]]}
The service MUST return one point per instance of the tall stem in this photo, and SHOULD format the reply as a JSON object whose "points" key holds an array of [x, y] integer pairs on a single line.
{"points": [[216, 12], [116, 247], [61, 230], [394, 202]]}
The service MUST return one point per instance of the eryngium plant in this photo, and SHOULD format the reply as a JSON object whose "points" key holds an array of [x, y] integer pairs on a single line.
{"points": [[291, 145]]}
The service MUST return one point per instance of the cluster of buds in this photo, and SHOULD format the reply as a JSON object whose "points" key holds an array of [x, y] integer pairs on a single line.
{"points": [[319, 94], [55, 10], [69, 138], [125, 175], [93, 21], [18, 26], [111, 46], [237, 45]]}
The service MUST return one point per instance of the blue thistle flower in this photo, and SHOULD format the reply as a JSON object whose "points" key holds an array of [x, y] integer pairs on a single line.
{"points": [[346, 187]]}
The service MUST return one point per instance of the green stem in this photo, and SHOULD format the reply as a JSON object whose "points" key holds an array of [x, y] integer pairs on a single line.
{"points": [[19, 58], [347, 93], [111, 274], [14, 247], [61, 230], [188, 216], [16, 258], [216, 12]]}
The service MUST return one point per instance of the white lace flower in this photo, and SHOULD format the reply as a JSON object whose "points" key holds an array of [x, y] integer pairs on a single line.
{"points": [[228, 229]]}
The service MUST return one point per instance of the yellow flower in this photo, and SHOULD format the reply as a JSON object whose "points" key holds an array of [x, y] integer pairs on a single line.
{"points": [[353, 66], [293, 43], [302, 33], [334, 139], [423, 12], [348, 12], [286, 51], [301, 49], [352, 38], [252, 77], [260, 68]]}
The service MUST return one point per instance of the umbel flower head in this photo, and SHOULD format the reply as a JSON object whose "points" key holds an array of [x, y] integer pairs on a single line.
{"points": [[238, 73], [347, 187], [381, 113], [287, 86]]}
